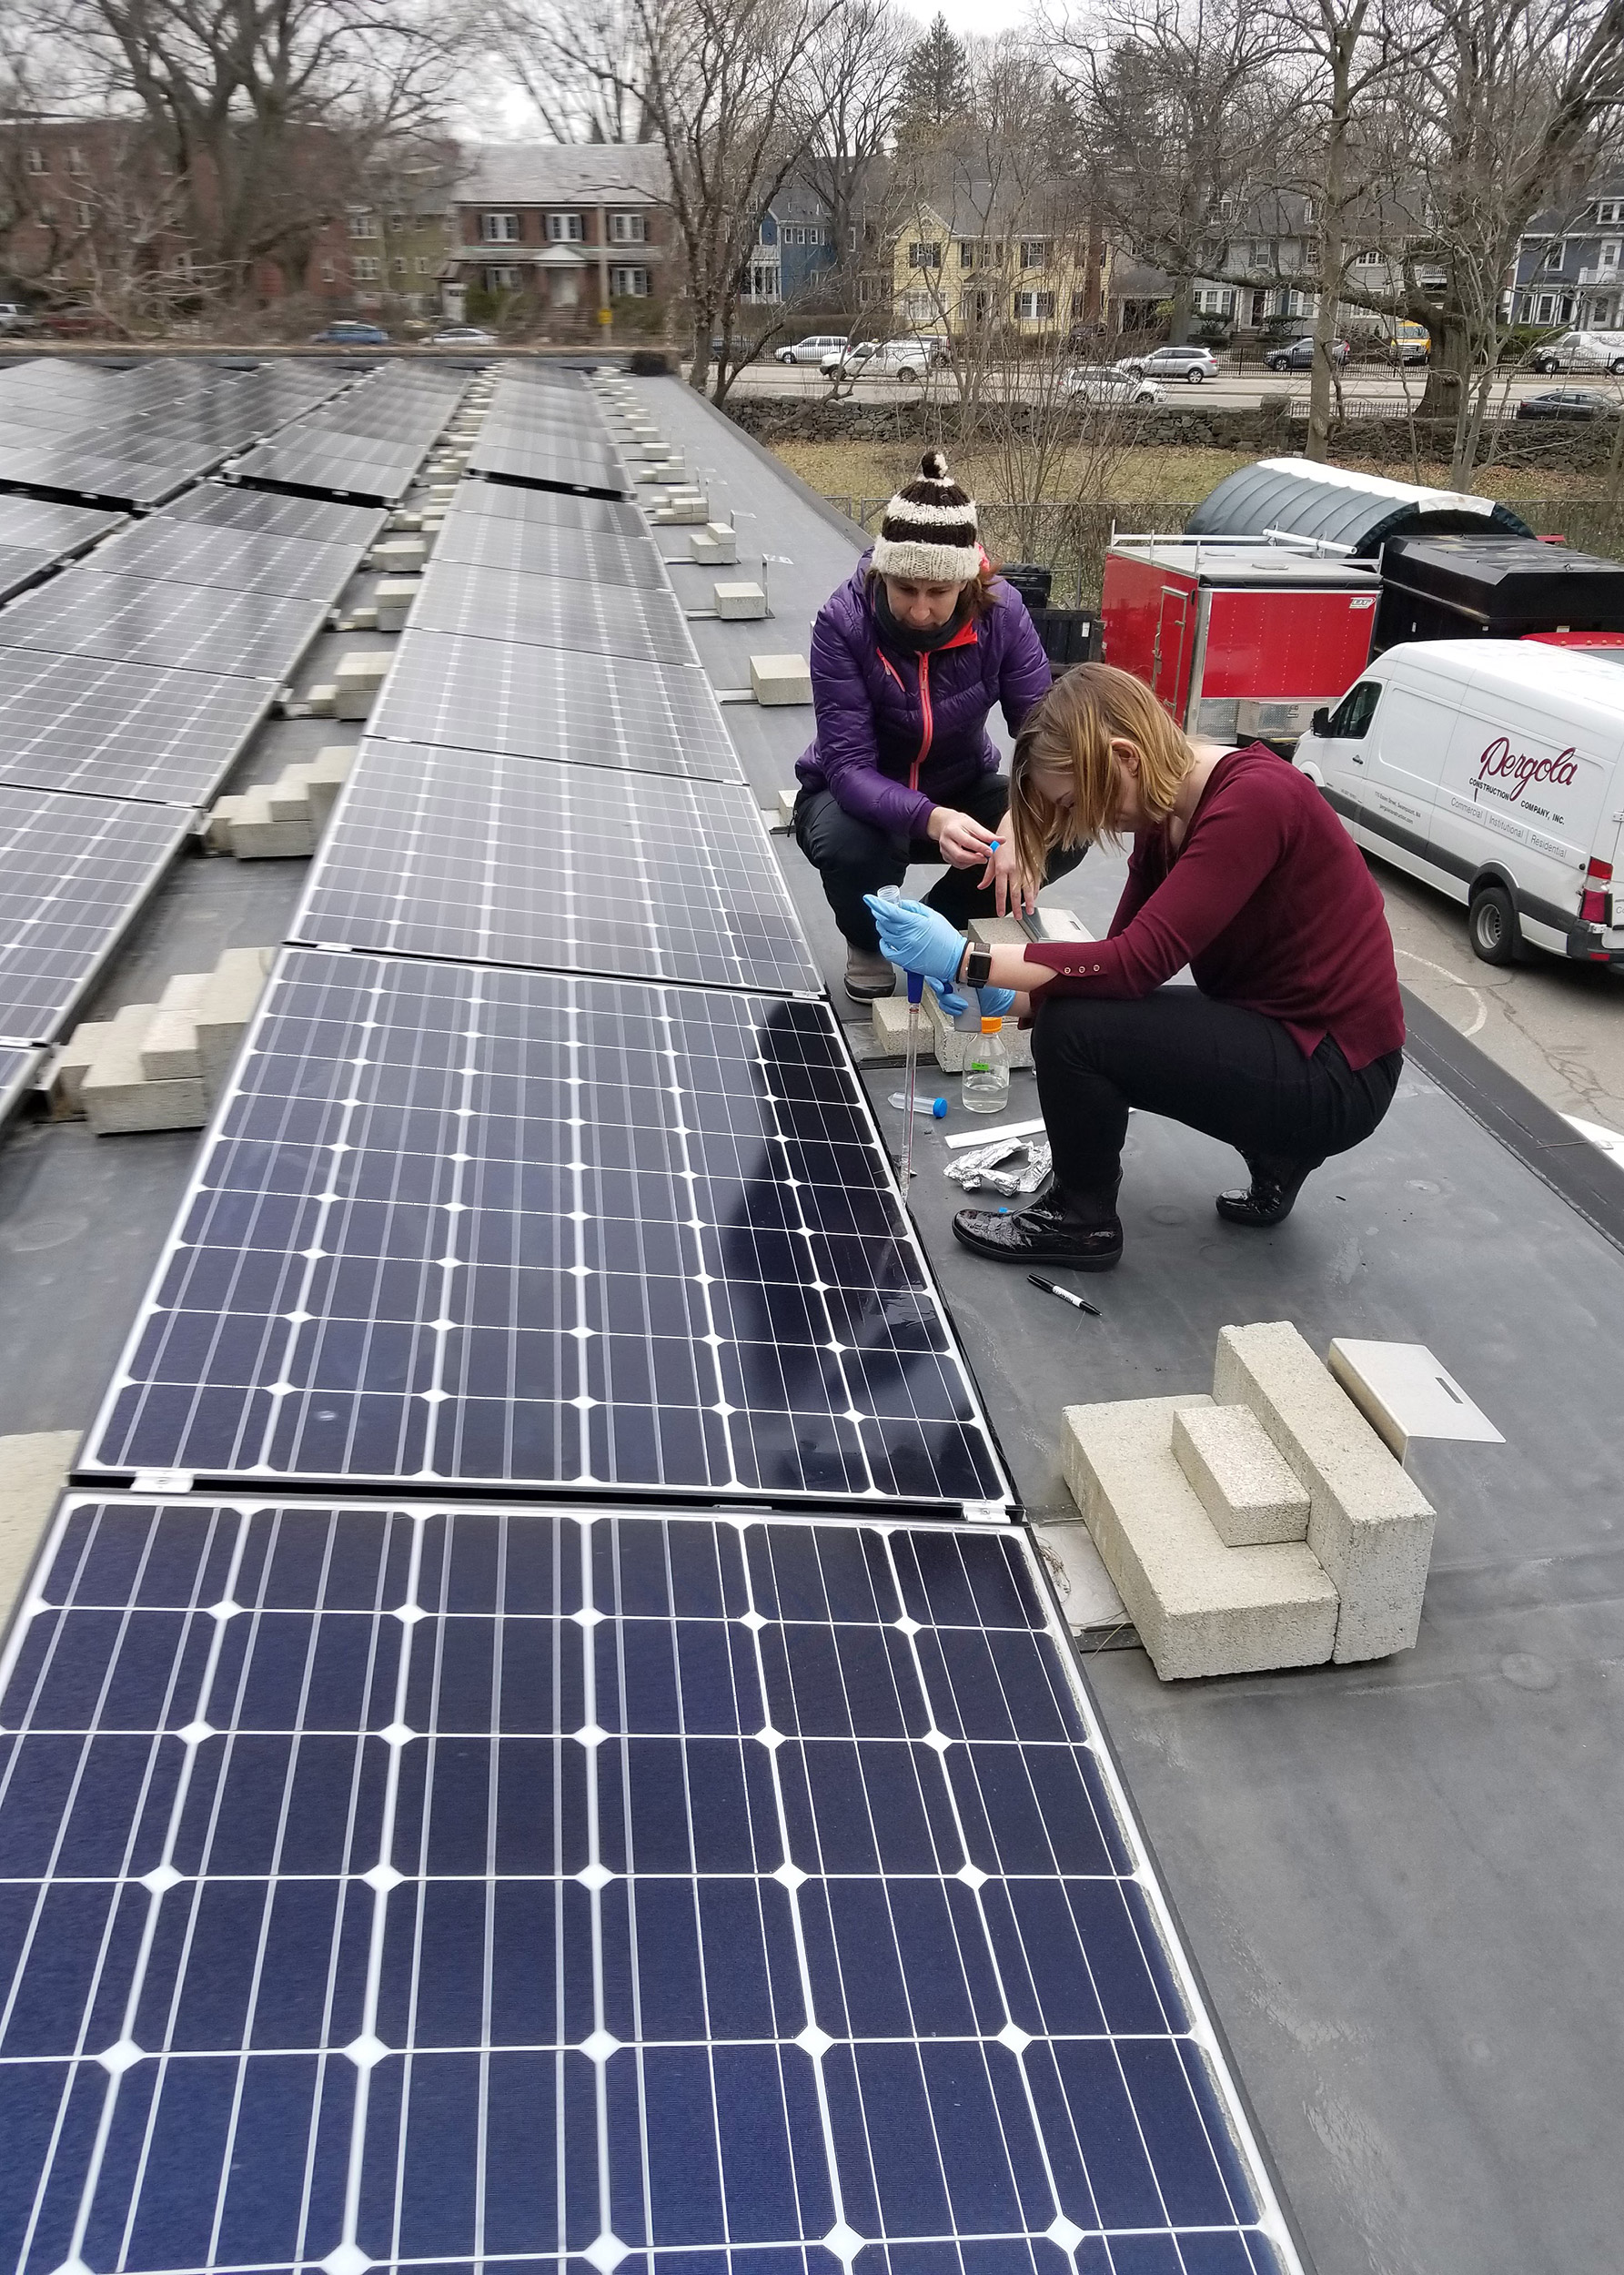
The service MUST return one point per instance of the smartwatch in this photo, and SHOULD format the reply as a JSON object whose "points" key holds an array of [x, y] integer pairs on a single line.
{"points": [[977, 967]]}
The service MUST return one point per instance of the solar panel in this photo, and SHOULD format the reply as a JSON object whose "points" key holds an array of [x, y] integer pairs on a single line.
{"points": [[461, 1887], [18, 1068], [244, 635], [122, 730], [615, 557], [548, 509], [34, 522], [20, 565], [541, 702], [504, 1227], [219, 505], [81, 474], [246, 560], [301, 469], [344, 442], [466, 855], [600, 620], [544, 469], [72, 871]]}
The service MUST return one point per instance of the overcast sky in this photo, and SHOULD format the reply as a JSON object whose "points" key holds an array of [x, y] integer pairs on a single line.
{"points": [[985, 16]]}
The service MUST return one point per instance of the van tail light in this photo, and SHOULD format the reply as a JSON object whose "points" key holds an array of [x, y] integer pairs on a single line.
{"points": [[1594, 908]]}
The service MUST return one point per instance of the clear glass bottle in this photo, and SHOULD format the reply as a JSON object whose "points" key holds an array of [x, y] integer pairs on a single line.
{"points": [[985, 1088]]}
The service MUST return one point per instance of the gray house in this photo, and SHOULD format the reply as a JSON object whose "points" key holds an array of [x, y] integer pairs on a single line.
{"points": [[1569, 264]]}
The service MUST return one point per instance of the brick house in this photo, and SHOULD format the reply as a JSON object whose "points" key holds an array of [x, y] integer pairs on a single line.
{"points": [[572, 228]]}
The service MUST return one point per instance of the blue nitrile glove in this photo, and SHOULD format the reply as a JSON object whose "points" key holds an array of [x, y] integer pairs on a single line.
{"points": [[918, 938], [995, 1001]]}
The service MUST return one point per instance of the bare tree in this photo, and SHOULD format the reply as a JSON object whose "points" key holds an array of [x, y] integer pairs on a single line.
{"points": [[847, 97], [583, 70]]}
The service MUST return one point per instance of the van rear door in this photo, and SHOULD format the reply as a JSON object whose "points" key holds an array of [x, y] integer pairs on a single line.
{"points": [[1531, 792], [1404, 757]]}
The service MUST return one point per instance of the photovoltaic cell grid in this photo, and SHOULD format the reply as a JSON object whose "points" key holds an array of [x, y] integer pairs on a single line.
{"points": [[612, 558], [72, 871], [598, 620], [20, 565], [122, 730], [538, 702], [488, 1226], [547, 466], [244, 561], [522, 861], [36, 524], [547, 508], [242, 635], [78, 473], [442, 1889], [220, 506]]}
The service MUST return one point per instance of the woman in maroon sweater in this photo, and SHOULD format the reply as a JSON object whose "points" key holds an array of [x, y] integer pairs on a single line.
{"points": [[1290, 1043]]}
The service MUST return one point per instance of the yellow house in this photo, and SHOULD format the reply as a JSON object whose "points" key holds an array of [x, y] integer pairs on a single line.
{"points": [[966, 264]]}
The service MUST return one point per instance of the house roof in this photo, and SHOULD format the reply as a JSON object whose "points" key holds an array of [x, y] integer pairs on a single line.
{"points": [[552, 173]]}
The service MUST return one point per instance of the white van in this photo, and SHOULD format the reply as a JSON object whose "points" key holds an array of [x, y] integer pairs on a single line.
{"points": [[1581, 351], [1493, 769]]}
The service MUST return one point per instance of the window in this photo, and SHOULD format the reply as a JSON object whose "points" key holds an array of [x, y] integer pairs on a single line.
{"points": [[1367, 260], [628, 228], [397, 223], [1543, 308], [1353, 714], [501, 279], [916, 308], [76, 162], [364, 269], [327, 272], [1260, 253], [1214, 300], [1032, 253], [1611, 209], [80, 215], [924, 255], [398, 265], [45, 214], [500, 228], [1555, 252], [563, 228], [764, 281], [363, 225], [1036, 307], [37, 163], [629, 284], [1610, 253], [966, 253], [420, 266], [851, 240]]}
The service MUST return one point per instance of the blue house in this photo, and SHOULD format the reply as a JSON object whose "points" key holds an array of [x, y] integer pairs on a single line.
{"points": [[1571, 264], [794, 242]]}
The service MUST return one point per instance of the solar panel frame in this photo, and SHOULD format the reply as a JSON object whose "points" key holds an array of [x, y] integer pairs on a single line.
{"points": [[18, 1069], [441, 1886], [234, 561], [127, 620], [544, 703], [140, 731], [307, 474], [683, 1269], [73, 871], [226, 505], [638, 621], [548, 508], [532, 548], [541, 470], [21, 566], [468, 856]]}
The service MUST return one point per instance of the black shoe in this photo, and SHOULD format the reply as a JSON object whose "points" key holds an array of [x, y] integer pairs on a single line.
{"points": [[1268, 1200], [1043, 1234]]}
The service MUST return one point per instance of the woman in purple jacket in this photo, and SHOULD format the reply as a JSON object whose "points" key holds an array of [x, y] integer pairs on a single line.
{"points": [[908, 659]]}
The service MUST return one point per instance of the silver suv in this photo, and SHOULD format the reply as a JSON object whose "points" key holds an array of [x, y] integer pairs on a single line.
{"points": [[1193, 364]]}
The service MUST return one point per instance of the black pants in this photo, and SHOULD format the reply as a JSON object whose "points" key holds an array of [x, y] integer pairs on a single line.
{"points": [[1233, 1074], [853, 858]]}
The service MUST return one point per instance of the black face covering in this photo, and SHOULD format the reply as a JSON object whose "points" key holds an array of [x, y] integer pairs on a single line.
{"points": [[903, 636]]}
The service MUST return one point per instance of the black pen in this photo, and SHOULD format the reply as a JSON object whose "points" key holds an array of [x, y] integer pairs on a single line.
{"points": [[1050, 1288]]}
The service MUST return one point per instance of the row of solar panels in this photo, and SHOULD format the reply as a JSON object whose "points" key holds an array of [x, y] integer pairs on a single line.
{"points": [[367, 445], [130, 683], [137, 438], [403, 1883]]}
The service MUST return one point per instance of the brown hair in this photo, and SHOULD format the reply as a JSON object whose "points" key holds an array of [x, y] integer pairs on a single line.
{"points": [[1072, 729], [975, 598]]}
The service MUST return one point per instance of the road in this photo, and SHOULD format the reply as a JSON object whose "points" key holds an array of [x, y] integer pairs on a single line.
{"points": [[1379, 390]]}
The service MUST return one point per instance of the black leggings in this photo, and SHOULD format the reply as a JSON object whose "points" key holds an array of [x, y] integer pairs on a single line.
{"points": [[1233, 1074], [853, 857]]}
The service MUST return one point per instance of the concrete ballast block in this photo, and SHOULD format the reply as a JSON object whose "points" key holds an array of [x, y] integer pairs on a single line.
{"points": [[1200, 1608], [226, 1006], [1239, 1477], [781, 679], [169, 1051], [357, 679], [739, 601], [395, 597], [118, 1096], [716, 545], [392, 554], [324, 777], [1368, 1524]]}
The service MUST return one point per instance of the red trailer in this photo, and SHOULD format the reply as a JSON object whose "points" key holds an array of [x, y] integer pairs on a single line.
{"points": [[1240, 637]]}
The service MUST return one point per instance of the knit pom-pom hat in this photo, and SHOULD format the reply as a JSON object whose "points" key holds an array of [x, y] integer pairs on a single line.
{"points": [[929, 531]]}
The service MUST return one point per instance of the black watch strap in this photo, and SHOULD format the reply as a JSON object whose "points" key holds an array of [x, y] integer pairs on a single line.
{"points": [[978, 964]]}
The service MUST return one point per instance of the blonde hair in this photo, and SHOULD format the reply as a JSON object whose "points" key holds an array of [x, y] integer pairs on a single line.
{"points": [[1072, 729]]}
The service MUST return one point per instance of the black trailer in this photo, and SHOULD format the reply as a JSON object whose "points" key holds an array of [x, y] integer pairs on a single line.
{"points": [[1494, 587]]}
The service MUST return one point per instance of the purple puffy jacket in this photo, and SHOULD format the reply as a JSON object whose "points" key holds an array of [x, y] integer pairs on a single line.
{"points": [[899, 733]]}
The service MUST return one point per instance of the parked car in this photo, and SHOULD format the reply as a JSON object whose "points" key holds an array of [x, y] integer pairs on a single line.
{"points": [[1562, 402], [1299, 356], [348, 332], [813, 349], [16, 318], [1103, 383], [905, 361], [1191, 364], [463, 335], [75, 323], [1428, 756], [1581, 351]]}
